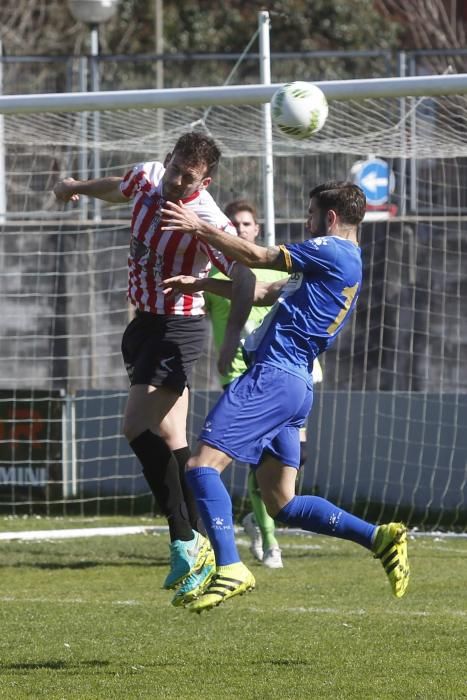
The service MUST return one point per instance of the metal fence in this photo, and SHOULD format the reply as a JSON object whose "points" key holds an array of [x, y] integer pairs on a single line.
{"points": [[46, 74]]}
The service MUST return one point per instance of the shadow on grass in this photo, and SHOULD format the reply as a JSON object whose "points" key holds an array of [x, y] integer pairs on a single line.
{"points": [[54, 665], [79, 565], [282, 662], [313, 554]]}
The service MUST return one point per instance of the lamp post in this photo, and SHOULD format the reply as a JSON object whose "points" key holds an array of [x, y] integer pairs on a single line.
{"points": [[2, 151], [93, 13]]}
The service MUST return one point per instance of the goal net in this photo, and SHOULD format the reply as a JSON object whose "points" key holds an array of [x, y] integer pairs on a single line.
{"points": [[386, 436]]}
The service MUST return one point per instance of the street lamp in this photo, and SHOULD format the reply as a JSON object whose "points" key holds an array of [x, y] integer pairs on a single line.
{"points": [[92, 13]]}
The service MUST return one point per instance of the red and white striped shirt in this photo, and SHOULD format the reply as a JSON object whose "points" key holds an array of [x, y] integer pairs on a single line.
{"points": [[156, 255]]}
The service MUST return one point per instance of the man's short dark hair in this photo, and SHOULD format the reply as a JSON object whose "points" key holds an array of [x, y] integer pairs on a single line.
{"points": [[237, 205], [195, 147], [345, 198]]}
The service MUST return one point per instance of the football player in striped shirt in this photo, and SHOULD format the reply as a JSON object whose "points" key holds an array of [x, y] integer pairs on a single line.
{"points": [[165, 338], [275, 395]]}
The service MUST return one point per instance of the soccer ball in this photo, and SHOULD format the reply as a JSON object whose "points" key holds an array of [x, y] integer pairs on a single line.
{"points": [[299, 109]]}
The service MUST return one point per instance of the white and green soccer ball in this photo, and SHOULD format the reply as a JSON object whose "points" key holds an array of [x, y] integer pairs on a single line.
{"points": [[299, 109]]}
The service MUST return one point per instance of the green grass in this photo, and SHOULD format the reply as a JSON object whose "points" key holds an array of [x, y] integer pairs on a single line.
{"points": [[87, 619]]}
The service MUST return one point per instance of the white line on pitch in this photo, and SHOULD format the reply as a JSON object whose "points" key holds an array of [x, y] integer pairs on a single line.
{"points": [[66, 534], [358, 612], [108, 531]]}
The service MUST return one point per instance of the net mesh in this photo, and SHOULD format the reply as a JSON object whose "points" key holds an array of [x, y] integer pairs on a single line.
{"points": [[396, 127], [384, 434]]}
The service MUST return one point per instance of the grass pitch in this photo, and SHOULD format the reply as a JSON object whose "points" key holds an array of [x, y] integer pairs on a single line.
{"points": [[87, 619]]}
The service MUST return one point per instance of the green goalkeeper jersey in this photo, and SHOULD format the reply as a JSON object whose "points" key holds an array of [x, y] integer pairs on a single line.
{"points": [[218, 310]]}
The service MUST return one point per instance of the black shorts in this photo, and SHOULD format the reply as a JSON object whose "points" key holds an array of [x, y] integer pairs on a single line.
{"points": [[161, 350]]}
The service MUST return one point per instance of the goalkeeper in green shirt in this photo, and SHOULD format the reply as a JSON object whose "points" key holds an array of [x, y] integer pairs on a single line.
{"points": [[258, 525]]}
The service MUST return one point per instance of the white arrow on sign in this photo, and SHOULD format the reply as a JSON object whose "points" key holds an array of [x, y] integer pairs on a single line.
{"points": [[372, 182]]}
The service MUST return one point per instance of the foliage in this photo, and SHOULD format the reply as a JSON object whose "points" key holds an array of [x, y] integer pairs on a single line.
{"points": [[47, 27], [296, 25]]}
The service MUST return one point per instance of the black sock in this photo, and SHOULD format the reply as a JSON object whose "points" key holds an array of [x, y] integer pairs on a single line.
{"points": [[160, 469], [182, 456]]}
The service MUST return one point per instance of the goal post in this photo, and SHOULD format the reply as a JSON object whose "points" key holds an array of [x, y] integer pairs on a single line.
{"points": [[386, 436], [229, 95]]}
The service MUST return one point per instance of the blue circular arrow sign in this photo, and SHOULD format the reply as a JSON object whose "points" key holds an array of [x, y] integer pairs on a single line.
{"points": [[376, 180]]}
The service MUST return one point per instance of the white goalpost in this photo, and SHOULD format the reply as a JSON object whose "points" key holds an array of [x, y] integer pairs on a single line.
{"points": [[386, 434]]}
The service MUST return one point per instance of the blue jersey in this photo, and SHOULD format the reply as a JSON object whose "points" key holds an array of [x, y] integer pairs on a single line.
{"points": [[317, 301]]}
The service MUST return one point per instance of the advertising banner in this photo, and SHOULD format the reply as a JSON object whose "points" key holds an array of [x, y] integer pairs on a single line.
{"points": [[30, 446]]}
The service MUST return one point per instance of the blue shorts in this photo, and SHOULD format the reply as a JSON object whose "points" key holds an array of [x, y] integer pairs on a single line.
{"points": [[263, 409]]}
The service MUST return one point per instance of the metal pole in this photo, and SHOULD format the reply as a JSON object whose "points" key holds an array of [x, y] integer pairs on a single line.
{"points": [[159, 42], [268, 165], [413, 135], [97, 205], [91, 290], [402, 188], [83, 172], [95, 87], [159, 46], [342, 90], [69, 456], [2, 151]]}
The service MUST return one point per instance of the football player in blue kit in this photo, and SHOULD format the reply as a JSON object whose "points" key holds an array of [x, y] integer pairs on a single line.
{"points": [[257, 419]]}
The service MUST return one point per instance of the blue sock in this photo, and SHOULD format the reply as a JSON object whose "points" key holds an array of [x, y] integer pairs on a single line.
{"points": [[320, 516], [215, 507]]}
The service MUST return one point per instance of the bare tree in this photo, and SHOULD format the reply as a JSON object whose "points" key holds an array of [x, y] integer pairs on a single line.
{"points": [[38, 26], [432, 24]]}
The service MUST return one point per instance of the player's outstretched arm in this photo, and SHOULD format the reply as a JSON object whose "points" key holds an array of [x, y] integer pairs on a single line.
{"points": [[187, 284], [243, 292], [177, 217], [105, 188], [266, 293]]}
